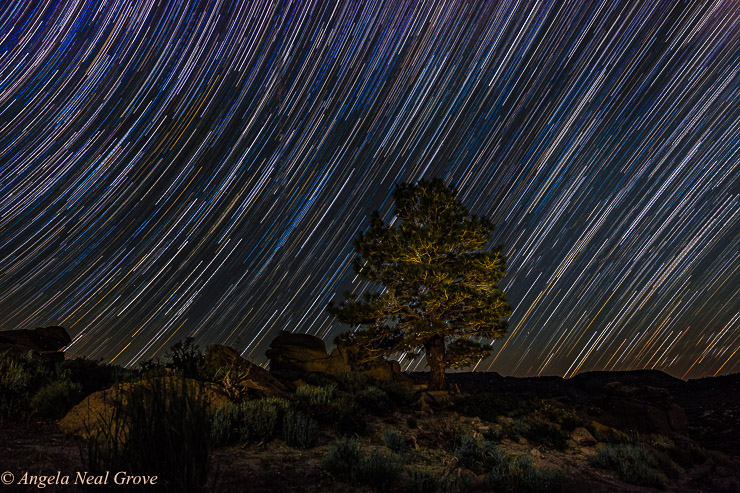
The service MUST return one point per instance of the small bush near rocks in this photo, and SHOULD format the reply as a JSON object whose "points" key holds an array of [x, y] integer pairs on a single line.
{"points": [[394, 440], [539, 430], [162, 430], [54, 399], [261, 419], [187, 358], [421, 481], [479, 455], [19, 375], [343, 457], [379, 469], [345, 460], [520, 475], [223, 425], [375, 400], [607, 434], [354, 382], [351, 418], [313, 395], [299, 430], [566, 418], [635, 464]]}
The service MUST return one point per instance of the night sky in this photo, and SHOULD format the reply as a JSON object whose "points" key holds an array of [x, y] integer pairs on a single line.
{"points": [[173, 169]]}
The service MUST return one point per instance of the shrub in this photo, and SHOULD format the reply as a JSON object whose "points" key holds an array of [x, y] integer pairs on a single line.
{"points": [[222, 425], [478, 455], [299, 430], [351, 418], [529, 478], [20, 375], [537, 429], [354, 382], [260, 419], [54, 399], [520, 475], [607, 434], [421, 481], [375, 400], [186, 358], [379, 469], [452, 483], [635, 464], [566, 418], [316, 396], [343, 458], [469, 453], [411, 422], [394, 440], [91, 375], [159, 429], [398, 392], [346, 461]]}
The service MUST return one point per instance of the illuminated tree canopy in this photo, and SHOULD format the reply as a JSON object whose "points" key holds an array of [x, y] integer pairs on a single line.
{"points": [[440, 277]]}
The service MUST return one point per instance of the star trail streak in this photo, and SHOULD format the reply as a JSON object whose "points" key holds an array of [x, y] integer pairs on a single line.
{"points": [[170, 169]]}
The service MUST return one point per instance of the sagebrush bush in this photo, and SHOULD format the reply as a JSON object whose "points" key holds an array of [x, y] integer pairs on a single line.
{"points": [[354, 382], [161, 428], [421, 481], [20, 377], [343, 457], [635, 464], [345, 460], [299, 430], [351, 418], [538, 429], [394, 440], [54, 399], [529, 478], [92, 375], [566, 418], [313, 395], [479, 455], [375, 400], [607, 434], [379, 469], [520, 475], [260, 419], [223, 425]]}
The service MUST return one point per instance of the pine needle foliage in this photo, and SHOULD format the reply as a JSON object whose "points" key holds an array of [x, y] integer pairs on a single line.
{"points": [[440, 277]]}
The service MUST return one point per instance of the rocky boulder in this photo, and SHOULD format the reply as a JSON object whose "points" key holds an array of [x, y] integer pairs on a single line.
{"points": [[646, 409], [583, 437], [303, 352], [45, 343], [306, 353], [240, 377], [97, 411]]}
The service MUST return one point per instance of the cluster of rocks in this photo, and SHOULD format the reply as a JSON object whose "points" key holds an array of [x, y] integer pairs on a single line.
{"points": [[44, 343], [306, 353], [643, 409]]}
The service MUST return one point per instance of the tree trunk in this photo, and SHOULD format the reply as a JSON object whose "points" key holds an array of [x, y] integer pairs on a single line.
{"points": [[435, 349]]}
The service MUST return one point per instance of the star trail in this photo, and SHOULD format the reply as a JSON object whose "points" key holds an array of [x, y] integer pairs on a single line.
{"points": [[173, 169]]}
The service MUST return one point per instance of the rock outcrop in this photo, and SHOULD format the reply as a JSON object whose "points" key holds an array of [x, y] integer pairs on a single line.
{"points": [[45, 343], [646, 410], [242, 377], [306, 353], [97, 410]]}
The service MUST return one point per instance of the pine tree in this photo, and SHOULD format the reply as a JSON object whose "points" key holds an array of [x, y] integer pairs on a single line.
{"points": [[440, 296]]}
